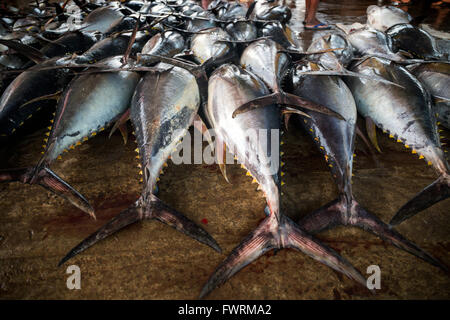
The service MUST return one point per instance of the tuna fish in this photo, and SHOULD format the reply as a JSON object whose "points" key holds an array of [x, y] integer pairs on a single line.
{"points": [[406, 114], [436, 79], [228, 88], [89, 104], [162, 110], [382, 18], [335, 139]]}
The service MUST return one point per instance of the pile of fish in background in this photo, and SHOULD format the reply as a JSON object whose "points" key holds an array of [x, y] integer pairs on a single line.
{"points": [[167, 65]]}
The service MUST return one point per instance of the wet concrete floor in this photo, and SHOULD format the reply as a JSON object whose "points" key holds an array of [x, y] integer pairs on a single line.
{"points": [[149, 260]]}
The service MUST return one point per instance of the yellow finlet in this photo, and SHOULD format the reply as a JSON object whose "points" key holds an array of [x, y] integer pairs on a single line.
{"points": [[165, 165], [421, 157], [429, 163], [85, 139], [282, 173], [248, 173], [283, 183], [413, 151]]}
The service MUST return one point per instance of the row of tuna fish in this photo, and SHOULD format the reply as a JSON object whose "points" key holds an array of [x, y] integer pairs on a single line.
{"points": [[164, 64]]}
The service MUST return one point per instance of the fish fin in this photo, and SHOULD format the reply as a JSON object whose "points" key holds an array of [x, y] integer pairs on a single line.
{"points": [[54, 96], [49, 180], [438, 99], [287, 116], [335, 213], [243, 41], [372, 133], [285, 99], [131, 42], [370, 222], [250, 10], [25, 50], [201, 127], [123, 219], [298, 55], [121, 125], [163, 213], [437, 191], [271, 234], [155, 209], [221, 154]]}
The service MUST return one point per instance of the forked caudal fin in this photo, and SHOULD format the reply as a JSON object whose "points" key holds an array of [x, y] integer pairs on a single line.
{"points": [[46, 178], [274, 234], [284, 98], [335, 213], [154, 209], [437, 191]]}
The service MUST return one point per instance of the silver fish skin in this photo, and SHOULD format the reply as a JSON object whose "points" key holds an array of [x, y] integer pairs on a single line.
{"points": [[167, 43], [372, 42], [384, 17], [407, 115], [228, 88], [334, 60], [243, 86], [335, 139], [162, 109], [263, 58], [436, 79], [207, 45], [89, 104]]}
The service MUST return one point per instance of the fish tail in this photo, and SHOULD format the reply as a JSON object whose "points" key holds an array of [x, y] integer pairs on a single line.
{"points": [[274, 234], [284, 98], [153, 209], [49, 180], [338, 212], [437, 191]]}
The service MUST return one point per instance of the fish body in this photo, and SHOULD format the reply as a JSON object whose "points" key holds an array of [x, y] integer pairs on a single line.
{"points": [[229, 87], [30, 84], [384, 17], [436, 79], [162, 109], [415, 41], [407, 115]]}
